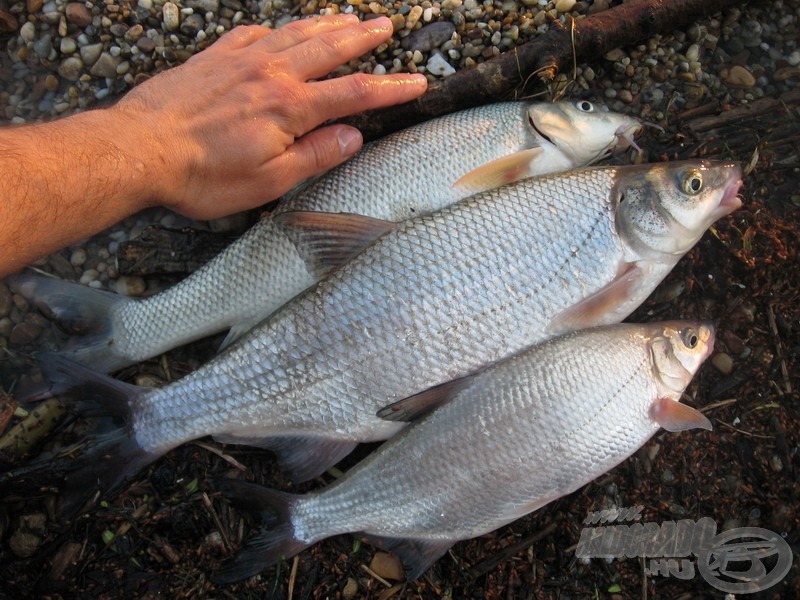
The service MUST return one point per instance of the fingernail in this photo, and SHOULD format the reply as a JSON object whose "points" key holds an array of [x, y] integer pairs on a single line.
{"points": [[350, 141], [379, 23]]}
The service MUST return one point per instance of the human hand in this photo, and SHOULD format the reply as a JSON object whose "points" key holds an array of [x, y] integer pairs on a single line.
{"points": [[234, 127]]}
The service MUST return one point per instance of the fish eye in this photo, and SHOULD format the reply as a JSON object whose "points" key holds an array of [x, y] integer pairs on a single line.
{"points": [[584, 106], [692, 182], [690, 338]]}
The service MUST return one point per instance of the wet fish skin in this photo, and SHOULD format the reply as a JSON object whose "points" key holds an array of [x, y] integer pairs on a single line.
{"points": [[435, 299], [263, 270], [517, 436]]}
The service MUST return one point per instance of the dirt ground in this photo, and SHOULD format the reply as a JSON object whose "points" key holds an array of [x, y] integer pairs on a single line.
{"points": [[164, 534]]}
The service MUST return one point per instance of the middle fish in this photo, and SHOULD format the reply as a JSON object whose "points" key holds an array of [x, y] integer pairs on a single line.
{"points": [[431, 300]]}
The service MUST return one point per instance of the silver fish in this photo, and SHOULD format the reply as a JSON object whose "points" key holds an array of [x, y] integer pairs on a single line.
{"points": [[431, 300], [263, 270], [515, 437]]}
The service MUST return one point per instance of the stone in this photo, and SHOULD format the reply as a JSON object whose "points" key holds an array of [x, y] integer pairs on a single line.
{"points": [[34, 6], [171, 16], [438, 65], [192, 24], [27, 32], [203, 5], [145, 45], [723, 363], [43, 46], [563, 6], [738, 77], [429, 37], [387, 566], [90, 53], [130, 286], [71, 68], [106, 66], [68, 45], [78, 257], [78, 14]]}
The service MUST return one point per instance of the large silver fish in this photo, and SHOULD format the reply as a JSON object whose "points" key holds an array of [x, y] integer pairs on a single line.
{"points": [[411, 173], [515, 437], [433, 299]]}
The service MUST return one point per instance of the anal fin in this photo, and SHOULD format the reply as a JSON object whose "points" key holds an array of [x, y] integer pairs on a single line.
{"points": [[301, 457], [417, 555]]}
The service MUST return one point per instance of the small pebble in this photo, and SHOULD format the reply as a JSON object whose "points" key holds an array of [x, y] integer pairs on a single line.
{"points": [[738, 76], [78, 14], [171, 16], [387, 566], [78, 257], [437, 65], [130, 286], [563, 6], [723, 363]]}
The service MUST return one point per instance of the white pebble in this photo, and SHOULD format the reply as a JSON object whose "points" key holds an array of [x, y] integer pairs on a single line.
{"points": [[78, 257], [171, 16], [89, 276], [145, 4], [437, 65], [96, 284], [379, 70], [563, 6], [28, 31], [130, 286], [794, 58]]}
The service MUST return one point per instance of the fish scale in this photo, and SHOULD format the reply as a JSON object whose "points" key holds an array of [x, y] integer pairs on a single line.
{"points": [[476, 282]]}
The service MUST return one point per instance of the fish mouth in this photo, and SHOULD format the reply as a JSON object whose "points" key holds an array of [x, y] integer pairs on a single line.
{"points": [[730, 198], [626, 135]]}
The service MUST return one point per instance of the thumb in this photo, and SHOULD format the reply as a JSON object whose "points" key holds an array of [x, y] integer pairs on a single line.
{"points": [[319, 151]]}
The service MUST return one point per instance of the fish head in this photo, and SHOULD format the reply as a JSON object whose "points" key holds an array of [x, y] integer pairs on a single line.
{"points": [[662, 210], [583, 131], [677, 349]]}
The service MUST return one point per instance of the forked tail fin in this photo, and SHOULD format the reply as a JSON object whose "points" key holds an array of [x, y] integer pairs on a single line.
{"points": [[85, 313], [106, 457], [274, 539]]}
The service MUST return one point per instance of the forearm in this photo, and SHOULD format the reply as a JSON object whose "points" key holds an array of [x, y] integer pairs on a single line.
{"points": [[64, 181]]}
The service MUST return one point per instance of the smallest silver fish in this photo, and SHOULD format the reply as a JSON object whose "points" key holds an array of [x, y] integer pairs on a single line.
{"points": [[515, 437]]}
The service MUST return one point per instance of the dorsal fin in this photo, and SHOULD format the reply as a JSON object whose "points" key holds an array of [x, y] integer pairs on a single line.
{"points": [[327, 241], [507, 169]]}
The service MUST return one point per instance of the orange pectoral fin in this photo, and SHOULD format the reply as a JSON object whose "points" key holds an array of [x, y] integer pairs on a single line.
{"points": [[499, 172], [674, 416]]}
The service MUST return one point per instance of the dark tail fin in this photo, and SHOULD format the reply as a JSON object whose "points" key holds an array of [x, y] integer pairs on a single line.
{"points": [[275, 537], [81, 311], [104, 459]]}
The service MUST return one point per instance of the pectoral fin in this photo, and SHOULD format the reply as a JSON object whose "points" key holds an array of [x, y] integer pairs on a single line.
{"points": [[674, 416], [592, 310], [499, 172], [326, 241], [417, 555], [235, 332], [414, 407]]}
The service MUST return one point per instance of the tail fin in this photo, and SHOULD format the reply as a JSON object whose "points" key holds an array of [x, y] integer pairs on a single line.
{"points": [[80, 311], [104, 459], [275, 537]]}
